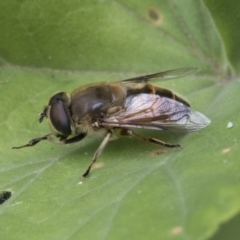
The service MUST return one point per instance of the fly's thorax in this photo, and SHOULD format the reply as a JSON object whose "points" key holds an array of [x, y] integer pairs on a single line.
{"points": [[83, 125], [132, 85], [93, 102], [118, 94]]}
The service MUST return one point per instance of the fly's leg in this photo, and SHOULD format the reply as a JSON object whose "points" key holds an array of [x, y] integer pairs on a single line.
{"points": [[98, 153], [48, 137], [73, 139], [34, 141], [152, 140]]}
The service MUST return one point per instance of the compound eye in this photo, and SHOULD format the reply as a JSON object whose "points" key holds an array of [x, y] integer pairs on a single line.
{"points": [[59, 118]]}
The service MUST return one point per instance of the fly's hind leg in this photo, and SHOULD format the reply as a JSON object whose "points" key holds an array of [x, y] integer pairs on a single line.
{"points": [[98, 153], [152, 140]]}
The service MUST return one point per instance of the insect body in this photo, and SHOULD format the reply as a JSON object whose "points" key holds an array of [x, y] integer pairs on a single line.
{"points": [[119, 106]]}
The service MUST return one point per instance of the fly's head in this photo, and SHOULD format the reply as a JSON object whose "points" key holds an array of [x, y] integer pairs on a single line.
{"points": [[58, 114]]}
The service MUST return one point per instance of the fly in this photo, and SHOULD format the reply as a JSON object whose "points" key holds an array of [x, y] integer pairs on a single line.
{"points": [[121, 107]]}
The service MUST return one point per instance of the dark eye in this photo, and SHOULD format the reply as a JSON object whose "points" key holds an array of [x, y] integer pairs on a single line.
{"points": [[59, 117]]}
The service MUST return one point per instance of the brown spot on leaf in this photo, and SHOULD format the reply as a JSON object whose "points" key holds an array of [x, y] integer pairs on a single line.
{"points": [[226, 150], [4, 196], [177, 230], [155, 16], [97, 165], [158, 152]]}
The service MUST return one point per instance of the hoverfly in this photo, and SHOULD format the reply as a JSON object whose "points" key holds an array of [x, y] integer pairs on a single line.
{"points": [[119, 107]]}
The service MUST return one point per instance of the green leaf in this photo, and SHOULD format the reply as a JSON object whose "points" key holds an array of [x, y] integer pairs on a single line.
{"points": [[137, 190], [226, 17], [228, 229]]}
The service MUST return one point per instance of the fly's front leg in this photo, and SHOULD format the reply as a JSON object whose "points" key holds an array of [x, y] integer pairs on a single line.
{"points": [[152, 140], [34, 141], [73, 139], [48, 137], [98, 153]]}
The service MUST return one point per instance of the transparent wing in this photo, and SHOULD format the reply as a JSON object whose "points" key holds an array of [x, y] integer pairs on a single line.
{"points": [[155, 112], [163, 75]]}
